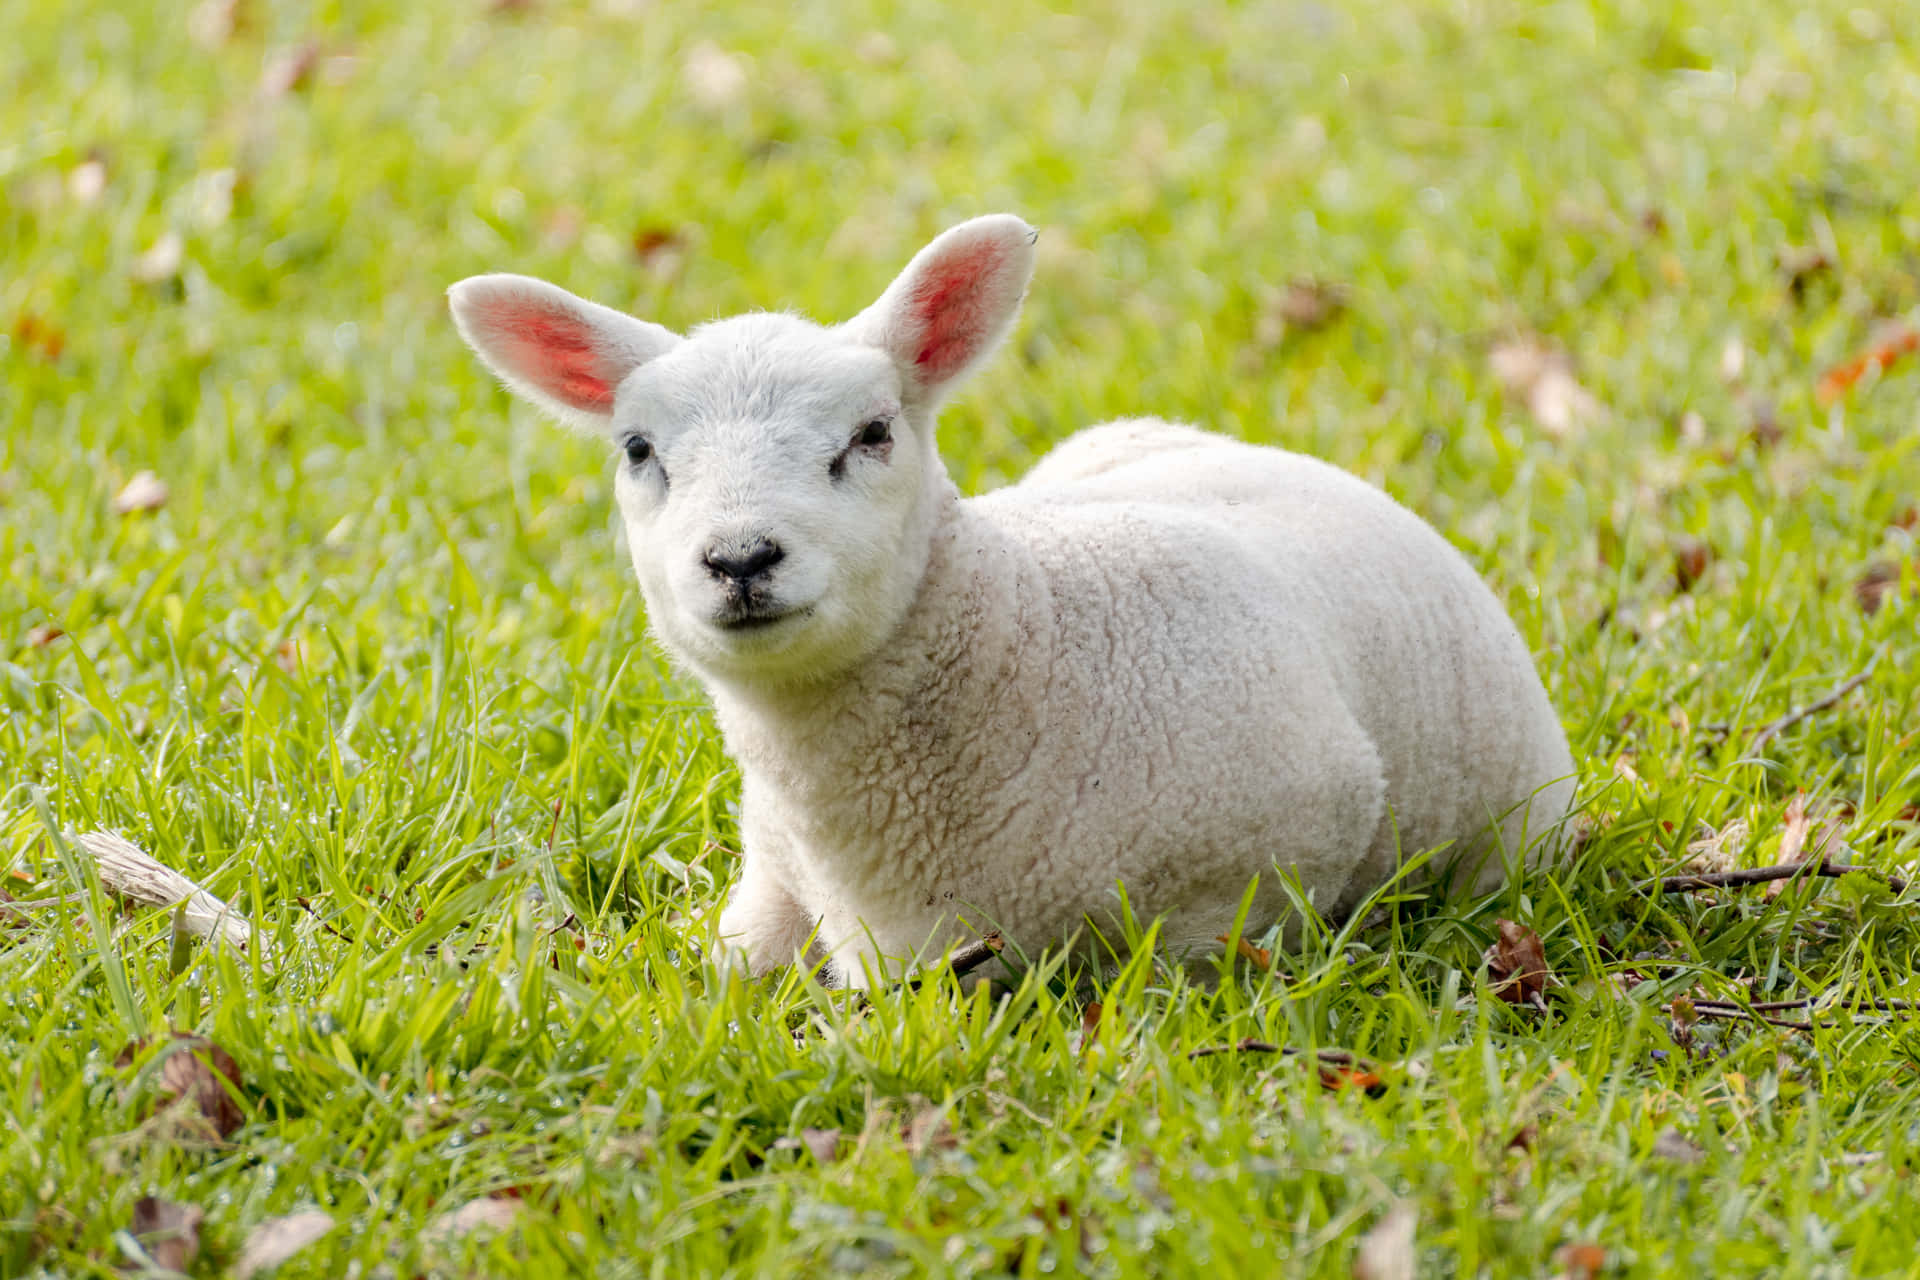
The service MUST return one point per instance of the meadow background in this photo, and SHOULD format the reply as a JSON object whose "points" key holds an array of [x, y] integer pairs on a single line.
{"points": [[1613, 294]]}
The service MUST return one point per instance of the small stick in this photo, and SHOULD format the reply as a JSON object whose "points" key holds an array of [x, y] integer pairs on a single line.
{"points": [[1761, 875], [961, 961], [1331, 1057], [1814, 708], [1767, 732], [1775, 1006], [1737, 1015], [131, 874]]}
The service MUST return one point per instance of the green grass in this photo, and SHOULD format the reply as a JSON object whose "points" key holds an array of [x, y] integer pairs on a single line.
{"points": [[376, 672]]}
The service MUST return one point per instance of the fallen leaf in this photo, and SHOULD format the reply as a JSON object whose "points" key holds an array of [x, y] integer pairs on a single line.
{"points": [[87, 181], [1582, 1261], [1802, 265], [1386, 1251], [1090, 1024], [1336, 1077], [1524, 1138], [40, 337], [1718, 850], [1258, 957], [212, 23], [1794, 825], [43, 635], [488, 1213], [876, 49], [929, 1130], [1691, 557], [715, 79], [1304, 306], [290, 69], [1517, 964], [161, 262], [197, 1074], [1893, 343], [823, 1144], [1677, 1147], [1876, 584], [145, 492], [278, 1239], [287, 656], [1763, 426], [661, 250], [169, 1232], [1541, 377]]}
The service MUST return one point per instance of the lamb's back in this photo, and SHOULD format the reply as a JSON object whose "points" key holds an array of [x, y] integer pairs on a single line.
{"points": [[1275, 550]]}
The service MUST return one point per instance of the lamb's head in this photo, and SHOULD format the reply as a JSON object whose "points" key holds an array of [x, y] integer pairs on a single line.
{"points": [[778, 479]]}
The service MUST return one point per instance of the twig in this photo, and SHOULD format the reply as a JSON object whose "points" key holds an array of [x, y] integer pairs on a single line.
{"points": [[128, 873], [1738, 1015], [1878, 1006], [966, 959], [1772, 729], [1761, 875], [1330, 1057]]}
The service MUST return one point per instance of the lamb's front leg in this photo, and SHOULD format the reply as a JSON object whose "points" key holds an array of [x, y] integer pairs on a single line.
{"points": [[763, 926]]}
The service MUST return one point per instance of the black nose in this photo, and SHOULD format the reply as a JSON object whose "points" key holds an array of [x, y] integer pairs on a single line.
{"points": [[725, 560]]}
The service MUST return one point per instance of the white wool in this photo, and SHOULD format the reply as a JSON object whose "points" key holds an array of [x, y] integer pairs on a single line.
{"points": [[1165, 659]]}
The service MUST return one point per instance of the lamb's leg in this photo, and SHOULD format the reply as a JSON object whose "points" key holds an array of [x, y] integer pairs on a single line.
{"points": [[763, 926]]}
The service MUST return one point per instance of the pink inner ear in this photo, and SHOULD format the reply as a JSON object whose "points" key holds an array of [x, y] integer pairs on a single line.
{"points": [[952, 306], [554, 353]]}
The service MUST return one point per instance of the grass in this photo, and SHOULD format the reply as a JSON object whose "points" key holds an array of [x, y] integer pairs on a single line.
{"points": [[375, 671]]}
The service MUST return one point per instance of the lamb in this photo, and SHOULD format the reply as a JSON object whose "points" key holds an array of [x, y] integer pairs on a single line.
{"points": [[1164, 660]]}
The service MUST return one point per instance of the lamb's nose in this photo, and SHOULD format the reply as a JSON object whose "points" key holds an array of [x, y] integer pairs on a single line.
{"points": [[731, 560]]}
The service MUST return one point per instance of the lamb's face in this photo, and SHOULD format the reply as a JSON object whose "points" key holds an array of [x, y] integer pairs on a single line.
{"points": [[778, 480], [775, 495]]}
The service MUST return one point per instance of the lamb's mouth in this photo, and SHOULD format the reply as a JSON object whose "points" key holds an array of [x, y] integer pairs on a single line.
{"points": [[755, 618]]}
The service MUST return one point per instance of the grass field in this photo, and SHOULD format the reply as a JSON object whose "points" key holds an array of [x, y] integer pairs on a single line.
{"points": [[375, 670]]}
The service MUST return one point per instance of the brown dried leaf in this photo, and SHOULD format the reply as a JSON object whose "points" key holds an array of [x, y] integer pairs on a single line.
{"points": [[1876, 584], [1541, 377], [1802, 265], [1581, 1261], [1090, 1024], [40, 337], [1258, 957], [169, 1232], [278, 1239], [1517, 965], [1524, 1138], [43, 635], [1794, 825], [145, 492], [1691, 557], [1893, 343], [200, 1076], [1386, 1251], [1336, 1077], [661, 250]]}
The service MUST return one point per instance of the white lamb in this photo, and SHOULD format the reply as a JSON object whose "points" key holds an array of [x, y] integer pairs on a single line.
{"points": [[1165, 659]]}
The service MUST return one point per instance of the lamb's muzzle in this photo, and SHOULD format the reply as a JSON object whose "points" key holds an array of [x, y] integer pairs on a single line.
{"points": [[1164, 659]]}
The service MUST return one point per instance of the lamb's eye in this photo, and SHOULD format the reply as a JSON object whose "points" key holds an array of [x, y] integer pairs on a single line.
{"points": [[879, 431], [639, 449]]}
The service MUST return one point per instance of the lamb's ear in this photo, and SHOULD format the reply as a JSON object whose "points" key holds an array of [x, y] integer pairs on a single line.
{"points": [[563, 353], [953, 304]]}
